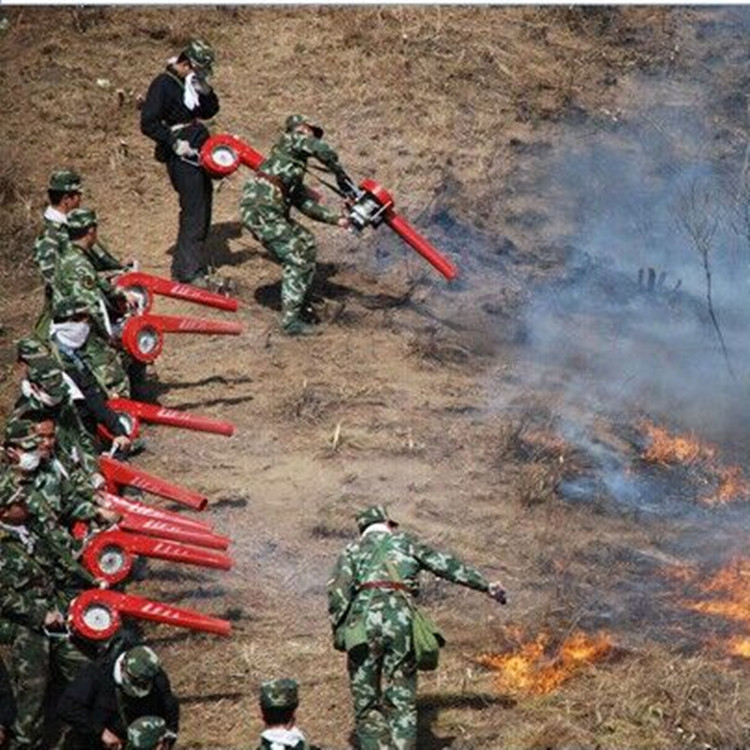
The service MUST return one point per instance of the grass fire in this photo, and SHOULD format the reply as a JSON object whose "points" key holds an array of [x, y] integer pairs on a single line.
{"points": [[541, 665], [726, 484]]}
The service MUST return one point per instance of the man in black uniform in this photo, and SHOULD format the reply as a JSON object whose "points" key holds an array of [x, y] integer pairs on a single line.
{"points": [[107, 696], [176, 102]]}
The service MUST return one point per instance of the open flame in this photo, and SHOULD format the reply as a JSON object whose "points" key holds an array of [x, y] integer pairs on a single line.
{"points": [[665, 448], [729, 482], [727, 595], [535, 668]]}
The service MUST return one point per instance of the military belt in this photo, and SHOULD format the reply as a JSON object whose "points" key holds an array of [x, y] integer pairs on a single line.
{"points": [[274, 180], [387, 585]]}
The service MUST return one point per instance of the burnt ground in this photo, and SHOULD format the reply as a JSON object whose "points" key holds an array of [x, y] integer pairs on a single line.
{"points": [[507, 135]]}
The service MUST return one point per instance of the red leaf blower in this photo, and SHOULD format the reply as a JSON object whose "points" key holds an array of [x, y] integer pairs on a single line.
{"points": [[144, 286], [126, 506], [132, 413], [118, 474], [369, 204], [96, 614], [143, 335], [109, 555]]}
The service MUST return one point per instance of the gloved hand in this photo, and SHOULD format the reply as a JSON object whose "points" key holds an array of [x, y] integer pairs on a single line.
{"points": [[497, 592], [182, 148], [344, 182]]}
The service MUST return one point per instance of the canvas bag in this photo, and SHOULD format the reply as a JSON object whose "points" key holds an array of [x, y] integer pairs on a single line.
{"points": [[427, 640]]}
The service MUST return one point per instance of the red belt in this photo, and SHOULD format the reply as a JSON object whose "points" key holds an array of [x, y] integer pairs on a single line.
{"points": [[392, 585], [273, 179]]}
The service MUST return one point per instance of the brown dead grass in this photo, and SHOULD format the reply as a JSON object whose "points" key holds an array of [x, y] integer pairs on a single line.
{"points": [[438, 104]]}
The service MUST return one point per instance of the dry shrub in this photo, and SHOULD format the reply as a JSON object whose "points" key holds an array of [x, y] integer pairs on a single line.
{"points": [[537, 483], [509, 444], [313, 403], [430, 347]]}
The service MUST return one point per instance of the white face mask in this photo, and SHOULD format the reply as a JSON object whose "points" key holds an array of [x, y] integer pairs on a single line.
{"points": [[30, 390], [28, 460], [71, 334]]}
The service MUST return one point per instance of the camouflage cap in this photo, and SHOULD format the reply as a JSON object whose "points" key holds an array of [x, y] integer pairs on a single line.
{"points": [[200, 54], [373, 514], [45, 373], [81, 218], [21, 433], [281, 693], [139, 667], [69, 307], [65, 181], [30, 349], [293, 120], [146, 732]]}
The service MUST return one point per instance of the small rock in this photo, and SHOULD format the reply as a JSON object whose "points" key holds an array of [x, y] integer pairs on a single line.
{"points": [[104, 83]]}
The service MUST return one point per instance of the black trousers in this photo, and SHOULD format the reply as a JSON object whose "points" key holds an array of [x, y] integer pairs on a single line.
{"points": [[194, 187]]}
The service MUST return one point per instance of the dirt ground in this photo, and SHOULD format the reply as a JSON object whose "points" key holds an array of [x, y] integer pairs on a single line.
{"points": [[416, 394]]}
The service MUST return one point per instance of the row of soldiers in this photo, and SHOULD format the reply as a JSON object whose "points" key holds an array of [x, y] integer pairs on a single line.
{"points": [[118, 696], [51, 486]]}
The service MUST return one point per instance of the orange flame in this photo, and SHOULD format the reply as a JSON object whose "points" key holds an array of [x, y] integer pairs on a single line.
{"points": [[532, 670], [674, 449], [728, 593], [665, 448]]}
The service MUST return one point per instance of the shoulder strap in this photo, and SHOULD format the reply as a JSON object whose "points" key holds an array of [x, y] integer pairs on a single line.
{"points": [[396, 578], [376, 559]]}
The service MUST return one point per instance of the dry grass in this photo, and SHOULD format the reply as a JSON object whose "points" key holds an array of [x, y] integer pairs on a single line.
{"points": [[388, 406]]}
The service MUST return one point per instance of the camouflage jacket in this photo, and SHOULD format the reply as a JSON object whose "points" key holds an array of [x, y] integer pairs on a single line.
{"points": [[286, 166], [34, 577], [52, 502], [75, 446], [364, 561], [75, 276], [102, 259], [48, 247]]}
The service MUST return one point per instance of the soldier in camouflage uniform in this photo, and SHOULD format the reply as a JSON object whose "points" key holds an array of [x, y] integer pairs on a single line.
{"points": [[76, 276], [147, 733], [76, 279], [267, 200], [45, 390], [37, 584], [371, 582], [278, 706], [64, 193]]}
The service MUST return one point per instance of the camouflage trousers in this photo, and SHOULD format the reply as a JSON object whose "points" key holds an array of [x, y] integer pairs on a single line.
{"points": [[383, 682], [292, 245], [35, 660]]}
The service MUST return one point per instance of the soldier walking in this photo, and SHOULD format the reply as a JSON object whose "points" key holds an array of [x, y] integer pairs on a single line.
{"points": [[176, 103], [267, 200], [372, 583]]}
